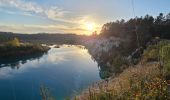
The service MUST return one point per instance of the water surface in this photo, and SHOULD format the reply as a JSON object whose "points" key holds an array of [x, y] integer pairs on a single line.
{"points": [[66, 71]]}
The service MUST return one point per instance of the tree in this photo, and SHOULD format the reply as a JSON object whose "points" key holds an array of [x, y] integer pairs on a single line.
{"points": [[94, 33], [159, 19]]}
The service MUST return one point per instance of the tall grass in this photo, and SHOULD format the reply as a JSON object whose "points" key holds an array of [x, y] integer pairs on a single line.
{"points": [[46, 93], [147, 80]]}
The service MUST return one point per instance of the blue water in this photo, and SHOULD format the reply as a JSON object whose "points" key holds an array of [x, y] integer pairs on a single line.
{"points": [[64, 71]]}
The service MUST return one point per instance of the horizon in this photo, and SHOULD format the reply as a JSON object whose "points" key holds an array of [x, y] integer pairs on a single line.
{"points": [[84, 49], [74, 16], [40, 33]]}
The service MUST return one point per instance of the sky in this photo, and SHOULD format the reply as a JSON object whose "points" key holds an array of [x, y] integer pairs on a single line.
{"points": [[72, 16]]}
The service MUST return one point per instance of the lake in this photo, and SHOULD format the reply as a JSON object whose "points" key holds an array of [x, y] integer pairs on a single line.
{"points": [[64, 72]]}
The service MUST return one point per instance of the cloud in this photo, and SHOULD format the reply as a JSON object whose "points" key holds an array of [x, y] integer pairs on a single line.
{"points": [[41, 28], [55, 12], [17, 13], [19, 4], [31, 28], [29, 8], [69, 21]]}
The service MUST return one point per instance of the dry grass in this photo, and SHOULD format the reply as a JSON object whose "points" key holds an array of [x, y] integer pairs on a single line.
{"points": [[117, 86], [144, 81]]}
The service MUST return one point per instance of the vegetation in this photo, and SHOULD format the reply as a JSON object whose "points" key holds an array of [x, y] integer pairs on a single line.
{"points": [[138, 29], [46, 93], [14, 49], [148, 80], [142, 61], [137, 32], [3, 39], [44, 38], [133, 36], [14, 42]]}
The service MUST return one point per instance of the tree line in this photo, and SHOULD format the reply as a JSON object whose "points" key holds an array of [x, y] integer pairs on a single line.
{"points": [[138, 31]]}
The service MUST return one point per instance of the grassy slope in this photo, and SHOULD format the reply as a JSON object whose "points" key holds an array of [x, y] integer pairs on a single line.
{"points": [[147, 80]]}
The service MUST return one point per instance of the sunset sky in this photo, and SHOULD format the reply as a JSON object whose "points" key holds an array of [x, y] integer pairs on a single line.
{"points": [[71, 16]]}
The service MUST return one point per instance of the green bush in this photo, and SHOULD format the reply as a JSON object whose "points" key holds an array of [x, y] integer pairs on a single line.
{"points": [[165, 57]]}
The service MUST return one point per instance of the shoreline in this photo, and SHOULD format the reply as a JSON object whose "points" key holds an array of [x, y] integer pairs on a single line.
{"points": [[146, 72], [13, 52]]}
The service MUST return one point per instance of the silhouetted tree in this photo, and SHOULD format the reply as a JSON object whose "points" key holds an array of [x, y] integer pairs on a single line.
{"points": [[94, 33], [145, 27]]}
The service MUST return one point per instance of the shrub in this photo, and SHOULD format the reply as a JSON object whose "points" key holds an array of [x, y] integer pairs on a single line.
{"points": [[15, 42]]}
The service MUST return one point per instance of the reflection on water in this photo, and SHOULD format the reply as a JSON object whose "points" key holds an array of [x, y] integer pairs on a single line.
{"points": [[66, 70], [15, 63]]}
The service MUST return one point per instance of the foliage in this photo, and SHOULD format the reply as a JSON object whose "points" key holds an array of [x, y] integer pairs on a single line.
{"points": [[105, 73], [150, 54], [3, 39], [155, 89], [133, 34], [17, 51], [14, 42], [148, 80], [119, 64], [165, 57], [46, 93], [45, 38], [159, 52], [138, 31]]}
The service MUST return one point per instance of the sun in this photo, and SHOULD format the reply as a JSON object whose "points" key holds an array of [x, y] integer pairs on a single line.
{"points": [[90, 26]]}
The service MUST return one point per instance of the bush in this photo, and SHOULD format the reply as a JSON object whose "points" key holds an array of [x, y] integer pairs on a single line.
{"points": [[165, 57], [15, 42], [17, 51]]}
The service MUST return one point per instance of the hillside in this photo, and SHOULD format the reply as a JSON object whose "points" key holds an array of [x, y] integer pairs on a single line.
{"points": [[45, 38], [133, 57], [147, 80]]}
